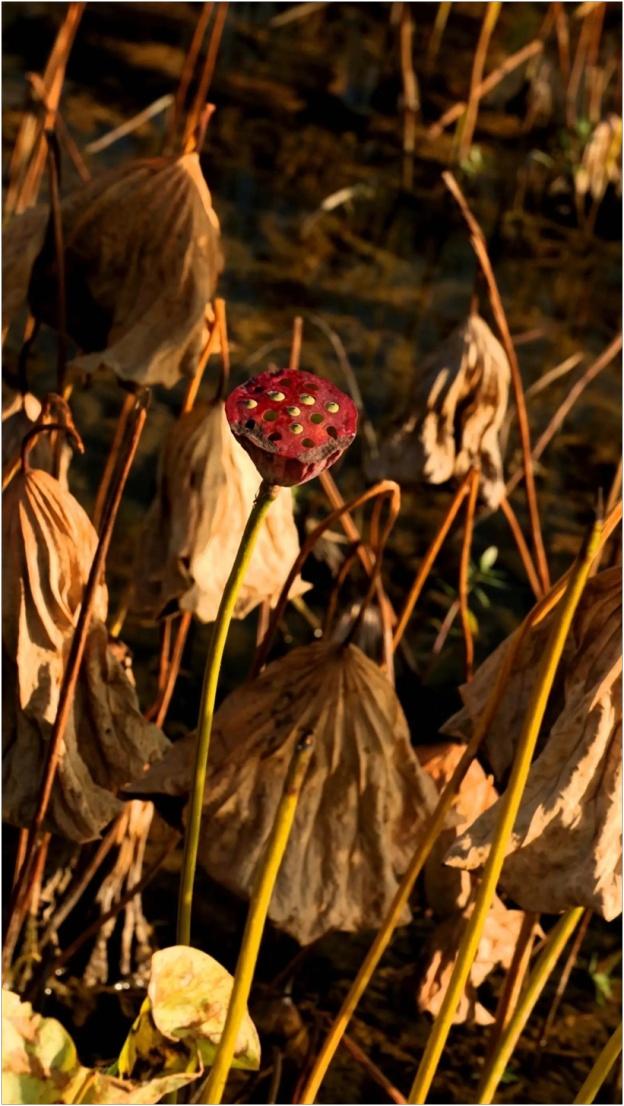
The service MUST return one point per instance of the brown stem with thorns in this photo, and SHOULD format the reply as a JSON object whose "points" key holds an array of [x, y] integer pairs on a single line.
{"points": [[195, 114], [384, 487], [464, 566], [477, 239], [429, 558], [21, 894], [188, 70]]}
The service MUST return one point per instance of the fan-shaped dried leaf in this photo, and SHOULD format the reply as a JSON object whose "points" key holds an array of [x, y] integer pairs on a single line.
{"points": [[447, 889], [363, 802], [142, 259], [496, 947], [186, 1005], [565, 849], [207, 487], [458, 412], [40, 1065], [49, 545]]}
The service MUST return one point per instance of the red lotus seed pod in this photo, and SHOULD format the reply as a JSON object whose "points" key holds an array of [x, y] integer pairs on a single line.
{"points": [[293, 424]]}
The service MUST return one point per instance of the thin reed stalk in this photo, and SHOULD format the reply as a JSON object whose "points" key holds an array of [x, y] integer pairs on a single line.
{"points": [[562, 983], [477, 239], [601, 1069], [113, 458], [509, 809], [429, 558], [490, 19], [514, 981], [522, 547], [383, 488], [555, 944], [212, 1090], [464, 567]]}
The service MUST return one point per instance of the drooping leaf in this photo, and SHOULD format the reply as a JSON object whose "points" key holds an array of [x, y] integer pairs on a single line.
{"points": [[363, 804], [142, 258], [455, 415], [207, 485], [49, 545], [566, 844]]}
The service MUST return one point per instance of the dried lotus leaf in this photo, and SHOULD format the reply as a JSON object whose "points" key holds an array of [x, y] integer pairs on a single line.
{"points": [[142, 259], [107, 743], [207, 485], [496, 948], [363, 803], [457, 414], [565, 849], [448, 889], [49, 543], [22, 241]]}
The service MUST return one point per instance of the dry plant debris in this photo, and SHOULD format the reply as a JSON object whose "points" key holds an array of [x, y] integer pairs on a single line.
{"points": [[457, 414], [496, 948], [142, 258], [450, 893], [602, 160], [207, 485], [565, 849], [49, 544], [363, 803]]}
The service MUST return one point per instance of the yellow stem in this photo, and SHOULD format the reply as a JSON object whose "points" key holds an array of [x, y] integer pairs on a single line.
{"points": [[212, 1090], [509, 809], [601, 1068], [386, 931], [557, 939], [266, 495]]}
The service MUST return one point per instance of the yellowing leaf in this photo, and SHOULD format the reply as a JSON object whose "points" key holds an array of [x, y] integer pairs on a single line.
{"points": [[182, 1018]]}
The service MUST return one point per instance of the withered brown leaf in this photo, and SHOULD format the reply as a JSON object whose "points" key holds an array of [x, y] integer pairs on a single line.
{"points": [[496, 947], [207, 485], [565, 849], [363, 803], [449, 889], [142, 258], [49, 544], [457, 413]]}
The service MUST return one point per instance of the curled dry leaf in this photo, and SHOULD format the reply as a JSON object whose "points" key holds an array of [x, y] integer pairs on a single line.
{"points": [[602, 160], [207, 485], [182, 1018], [458, 413], [142, 259], [496, 947], [49, 545], [362, 806], [40, 1065], [565, 849], [447, 889], [22, 242]]}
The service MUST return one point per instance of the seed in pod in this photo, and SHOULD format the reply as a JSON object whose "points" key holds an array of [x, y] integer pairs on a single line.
{"points": [[293, 424]]}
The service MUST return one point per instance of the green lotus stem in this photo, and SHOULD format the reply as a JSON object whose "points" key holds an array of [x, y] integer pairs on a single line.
{"points": [[212, 1090], [601, 1068], [510, 804], [266, 495], [557, 939]]}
